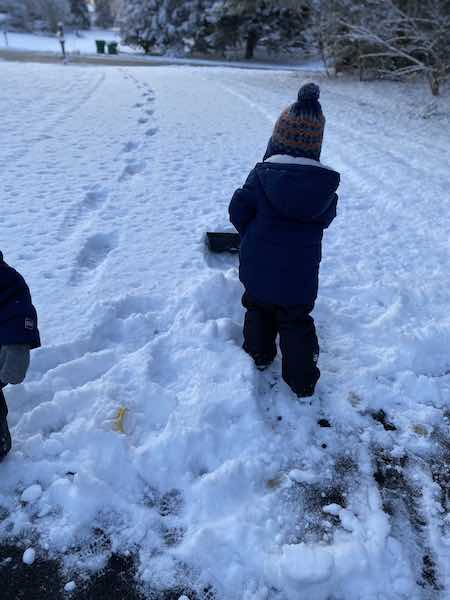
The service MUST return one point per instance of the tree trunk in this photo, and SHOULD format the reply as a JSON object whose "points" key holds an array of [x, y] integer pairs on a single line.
{"points": [[435, 83], [250, 45]]}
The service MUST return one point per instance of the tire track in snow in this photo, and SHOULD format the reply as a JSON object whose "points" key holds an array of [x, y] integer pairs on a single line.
{"points": [[269, 115]]}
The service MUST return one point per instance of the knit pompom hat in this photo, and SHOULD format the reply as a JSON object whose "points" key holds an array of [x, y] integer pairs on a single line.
{"points": [[299, 129]]}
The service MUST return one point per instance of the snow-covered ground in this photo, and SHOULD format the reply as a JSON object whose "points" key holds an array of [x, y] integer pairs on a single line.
{"points": [[83, 43], [143, 427], [83, 46]]}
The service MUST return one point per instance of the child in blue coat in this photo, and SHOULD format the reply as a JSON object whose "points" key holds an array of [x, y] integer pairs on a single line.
{"points": [[280, 214], [18, 335]]}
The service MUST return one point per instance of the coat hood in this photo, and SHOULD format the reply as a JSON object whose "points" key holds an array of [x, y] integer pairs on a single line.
{"points": [[301, 189]]}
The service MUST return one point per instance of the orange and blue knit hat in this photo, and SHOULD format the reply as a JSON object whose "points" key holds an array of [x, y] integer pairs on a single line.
{"points": [[299, 129]]}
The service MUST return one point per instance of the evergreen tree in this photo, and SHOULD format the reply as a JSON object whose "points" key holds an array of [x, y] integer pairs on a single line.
{"points": [[162, 24], [80, 14], [135, 20], [276, 25], [29, 14], [51, 12], [16, 14], [104, 13]]}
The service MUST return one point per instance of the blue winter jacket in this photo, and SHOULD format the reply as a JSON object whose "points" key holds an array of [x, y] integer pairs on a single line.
{"points": [[18, 318], [280, 214]]}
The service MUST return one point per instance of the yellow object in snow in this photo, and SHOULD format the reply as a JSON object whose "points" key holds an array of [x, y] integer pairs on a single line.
{"points": [[118, 421]]}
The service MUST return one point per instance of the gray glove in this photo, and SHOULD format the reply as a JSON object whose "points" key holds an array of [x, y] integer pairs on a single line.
{"points": [[14, 363]]}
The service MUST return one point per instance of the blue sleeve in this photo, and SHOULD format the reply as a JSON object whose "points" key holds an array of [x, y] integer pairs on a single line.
{"points": [[244, 203], [18, 317]]}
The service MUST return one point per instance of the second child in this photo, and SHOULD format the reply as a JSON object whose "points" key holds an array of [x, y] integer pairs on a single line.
{"points": [[280, 214]]}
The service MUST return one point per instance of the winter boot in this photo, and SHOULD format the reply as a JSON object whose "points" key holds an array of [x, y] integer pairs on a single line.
{"points": [[306, 392]]}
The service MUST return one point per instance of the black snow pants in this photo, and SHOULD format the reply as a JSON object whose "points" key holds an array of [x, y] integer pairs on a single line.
{"points": [[3, 406], [298, 341], [5, 436]]}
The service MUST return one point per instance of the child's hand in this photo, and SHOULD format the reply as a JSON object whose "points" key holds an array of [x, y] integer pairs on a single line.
{"points": [[14, 363]]}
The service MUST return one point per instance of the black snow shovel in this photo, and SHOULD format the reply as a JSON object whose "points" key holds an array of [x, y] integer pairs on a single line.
{"points": [[218, 241]]}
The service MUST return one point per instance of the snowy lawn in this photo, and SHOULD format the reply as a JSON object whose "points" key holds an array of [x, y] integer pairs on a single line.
{"points": [[143, 427], [82, 47], [83, 43]]}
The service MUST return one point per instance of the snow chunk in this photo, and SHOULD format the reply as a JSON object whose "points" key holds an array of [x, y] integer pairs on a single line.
{"points": [[307, 564], [70, 587], [32, 493], [29, 555], [302, 476], [332, 509]]}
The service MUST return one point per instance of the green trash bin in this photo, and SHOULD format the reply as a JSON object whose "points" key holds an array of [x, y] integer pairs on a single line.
{"points": [[112, 48], [100, 46]]}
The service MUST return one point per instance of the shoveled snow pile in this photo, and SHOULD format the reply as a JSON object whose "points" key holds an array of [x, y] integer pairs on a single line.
{"points": [[143, 427]]}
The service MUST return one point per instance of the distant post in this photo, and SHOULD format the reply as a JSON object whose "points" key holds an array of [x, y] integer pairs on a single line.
{"points": [[61, 38], [5, 33]]}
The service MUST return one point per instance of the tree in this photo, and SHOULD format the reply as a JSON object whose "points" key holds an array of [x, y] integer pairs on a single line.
{"points": [[105, 13], [16, 14], [51, 12], [276, 25], [395, 38], [29, 14], [162, 24], [80, 14], [202, 25], [135, 20]]}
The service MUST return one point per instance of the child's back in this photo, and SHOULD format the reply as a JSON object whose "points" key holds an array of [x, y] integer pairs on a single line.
{"points": [[280, 213]]}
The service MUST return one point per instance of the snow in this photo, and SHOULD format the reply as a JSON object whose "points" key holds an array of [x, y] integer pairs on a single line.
{"points": [[32, 493], [71, 586], [142, 418], [29, 556], [83, 43]]}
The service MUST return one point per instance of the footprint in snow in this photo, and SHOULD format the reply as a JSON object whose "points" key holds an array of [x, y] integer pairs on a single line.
{"points": [[151, 132], [130, 146], [142, 121], [133, 168], [173, 535], [171, 503], [93, 253], [92, 201], [94, 198]]}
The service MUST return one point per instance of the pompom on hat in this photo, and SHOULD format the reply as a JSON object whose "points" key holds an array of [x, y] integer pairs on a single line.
{"points": [[299, 129]]}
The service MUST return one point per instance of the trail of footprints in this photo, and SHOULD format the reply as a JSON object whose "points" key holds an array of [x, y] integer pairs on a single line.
{"points": [[97, 247], [136, 164]]}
